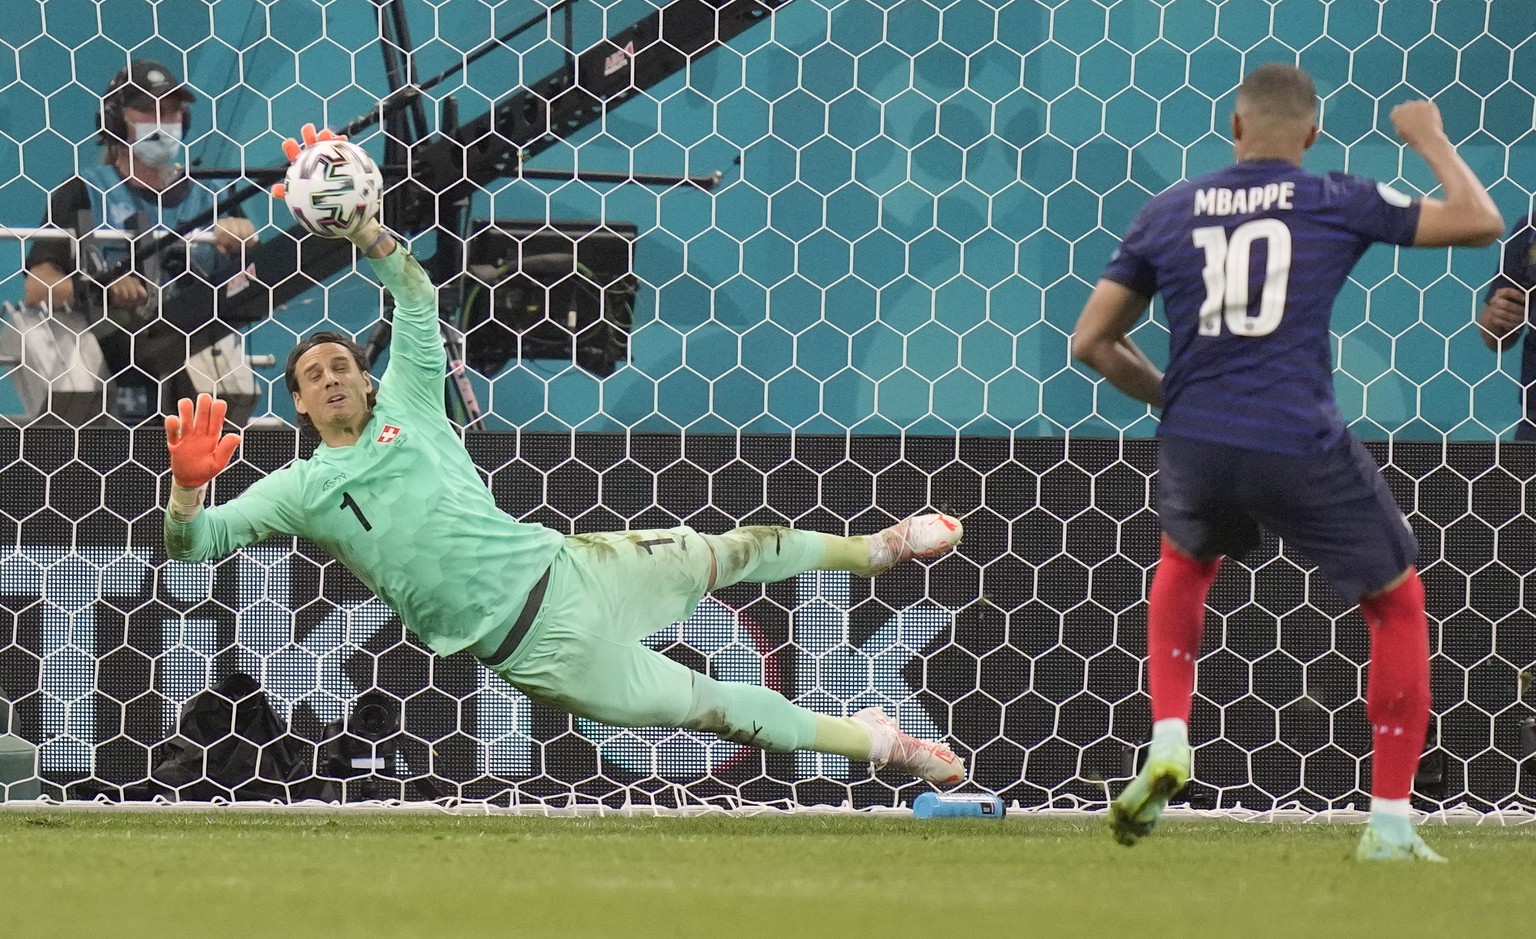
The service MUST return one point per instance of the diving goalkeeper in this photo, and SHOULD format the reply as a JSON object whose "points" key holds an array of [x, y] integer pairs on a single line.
{"points": [[391, 493]]}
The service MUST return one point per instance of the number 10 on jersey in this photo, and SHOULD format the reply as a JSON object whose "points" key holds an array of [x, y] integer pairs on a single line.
{"points": [[1226, 277]]}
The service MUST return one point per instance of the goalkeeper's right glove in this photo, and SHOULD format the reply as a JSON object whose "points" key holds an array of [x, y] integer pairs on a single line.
{"points": [[198, 453]]}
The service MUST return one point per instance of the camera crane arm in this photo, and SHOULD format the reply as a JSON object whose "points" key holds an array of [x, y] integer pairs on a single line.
{"points": [[524, 124]]}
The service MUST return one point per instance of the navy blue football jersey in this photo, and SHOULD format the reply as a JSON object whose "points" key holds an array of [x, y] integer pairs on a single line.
{"points": [[1517, 269], [1249, 261]]}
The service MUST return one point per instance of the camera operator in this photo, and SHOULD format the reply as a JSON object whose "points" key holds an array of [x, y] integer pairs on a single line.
{"points": [[160, 338]]}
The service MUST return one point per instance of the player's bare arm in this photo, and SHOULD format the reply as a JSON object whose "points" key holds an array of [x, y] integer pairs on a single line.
{"points": [[1100, 341], [1466, 217], [1502, 318]]}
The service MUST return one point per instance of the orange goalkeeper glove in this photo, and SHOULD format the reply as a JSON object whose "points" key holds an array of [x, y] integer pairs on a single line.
{"points": [[291, 149], [198, 453]]}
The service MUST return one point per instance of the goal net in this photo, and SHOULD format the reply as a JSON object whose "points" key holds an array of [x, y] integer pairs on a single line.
{"points": [[864, 315]]}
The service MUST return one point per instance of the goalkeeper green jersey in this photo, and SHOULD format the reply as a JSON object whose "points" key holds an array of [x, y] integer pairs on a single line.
{"points": [[404, 508]]}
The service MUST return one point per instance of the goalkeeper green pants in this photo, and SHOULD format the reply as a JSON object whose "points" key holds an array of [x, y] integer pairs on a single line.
{"points": [[608, 591]]}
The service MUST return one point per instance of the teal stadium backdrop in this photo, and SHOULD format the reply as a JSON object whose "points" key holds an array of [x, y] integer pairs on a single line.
{"points": [[923, 200]]}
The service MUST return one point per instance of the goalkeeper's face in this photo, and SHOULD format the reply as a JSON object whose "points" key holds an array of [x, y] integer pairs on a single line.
{"points": [[333, 391]]}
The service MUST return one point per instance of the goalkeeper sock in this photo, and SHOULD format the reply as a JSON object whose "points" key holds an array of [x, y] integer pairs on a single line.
{"points": [[1397, 694], [1175, 620], [846, 554], [764, 554], [843, 736]]}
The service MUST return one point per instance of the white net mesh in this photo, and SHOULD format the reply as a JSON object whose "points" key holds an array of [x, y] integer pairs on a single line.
{"points": [[866, 316]]}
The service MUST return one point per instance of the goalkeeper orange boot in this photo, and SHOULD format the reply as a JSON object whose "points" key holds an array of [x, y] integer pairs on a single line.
{"points": [[921, 536], [1392, 838], [927, 760], [1134, 814]]}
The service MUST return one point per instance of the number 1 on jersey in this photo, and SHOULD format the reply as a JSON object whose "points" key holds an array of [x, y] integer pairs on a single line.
{"points": [[1226, 277], [347, 502]]}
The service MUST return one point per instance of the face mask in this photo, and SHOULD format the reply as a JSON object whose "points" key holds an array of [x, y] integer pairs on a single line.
{"points": [[156, 144]]}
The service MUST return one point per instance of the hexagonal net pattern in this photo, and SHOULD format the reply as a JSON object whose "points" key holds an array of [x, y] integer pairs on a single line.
{"points": [[821, 273]]}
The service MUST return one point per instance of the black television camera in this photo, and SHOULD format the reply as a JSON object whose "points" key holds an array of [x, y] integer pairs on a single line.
{"points": [[547, 290]]}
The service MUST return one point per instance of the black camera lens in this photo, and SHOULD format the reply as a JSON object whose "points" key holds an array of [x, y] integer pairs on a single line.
{"points": [[375, 716]]}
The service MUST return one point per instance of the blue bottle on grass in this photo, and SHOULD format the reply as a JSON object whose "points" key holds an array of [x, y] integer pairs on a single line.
{"points": [[957, 805]]}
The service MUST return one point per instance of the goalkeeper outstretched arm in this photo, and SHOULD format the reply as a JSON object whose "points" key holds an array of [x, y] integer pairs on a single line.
{"points": [[417, 360], [199, 451], [418, 363]]}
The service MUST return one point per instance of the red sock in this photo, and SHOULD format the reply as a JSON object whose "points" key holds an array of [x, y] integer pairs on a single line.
{"points": [[1397, 694], [1175, 620]]}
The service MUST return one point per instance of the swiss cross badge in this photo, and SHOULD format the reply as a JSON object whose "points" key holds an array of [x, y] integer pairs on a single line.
{"points": [[388, 434]]}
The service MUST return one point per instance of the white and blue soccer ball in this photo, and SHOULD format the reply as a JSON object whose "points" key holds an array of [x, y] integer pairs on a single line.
{"points": [[334, 189]]}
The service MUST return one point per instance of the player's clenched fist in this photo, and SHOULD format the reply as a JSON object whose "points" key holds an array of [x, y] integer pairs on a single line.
{"points": [[1418, 122], [198, 452]]}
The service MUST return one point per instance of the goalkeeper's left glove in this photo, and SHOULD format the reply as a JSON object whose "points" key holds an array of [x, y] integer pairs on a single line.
{"points": [[292, 149]]}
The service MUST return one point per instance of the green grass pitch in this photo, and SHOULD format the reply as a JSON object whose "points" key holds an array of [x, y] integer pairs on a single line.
{"points": [[241, 873]]}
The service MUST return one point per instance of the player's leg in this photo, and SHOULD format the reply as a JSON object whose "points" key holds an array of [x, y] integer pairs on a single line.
{"points": [[754, 715], [1175, 621], [1175, 625], [684, 564], [1199, 526], [575, 668], [628, 685], [1397, 702], [608, 591], [769, 553], [1342, 516]]}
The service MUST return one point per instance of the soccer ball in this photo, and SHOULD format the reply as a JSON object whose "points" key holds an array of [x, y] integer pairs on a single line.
{"points": [[334, 189]]}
